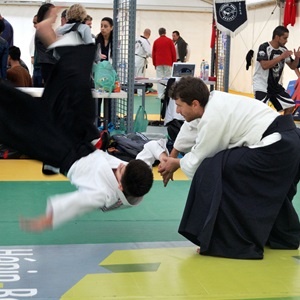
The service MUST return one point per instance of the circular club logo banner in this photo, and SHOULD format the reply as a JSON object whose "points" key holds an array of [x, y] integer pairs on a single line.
{"points": [[228, 12]]}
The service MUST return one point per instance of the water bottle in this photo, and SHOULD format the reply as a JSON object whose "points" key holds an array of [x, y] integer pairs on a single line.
{"points": [[206, 71], [202, 68]]}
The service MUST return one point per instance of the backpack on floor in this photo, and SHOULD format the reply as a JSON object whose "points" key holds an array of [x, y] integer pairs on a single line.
{"points": [[126, 146]]}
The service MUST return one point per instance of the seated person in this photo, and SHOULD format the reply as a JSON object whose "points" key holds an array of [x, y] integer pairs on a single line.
{"points": [[16, 73]]}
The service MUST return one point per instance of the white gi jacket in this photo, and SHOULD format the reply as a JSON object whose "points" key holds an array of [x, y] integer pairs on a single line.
{"points": [[228, 121], [97, 185], [142, 52]]}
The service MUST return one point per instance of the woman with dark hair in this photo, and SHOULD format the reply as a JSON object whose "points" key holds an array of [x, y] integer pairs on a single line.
{"points": [[104, 40], [44, 57], [104, 49]]}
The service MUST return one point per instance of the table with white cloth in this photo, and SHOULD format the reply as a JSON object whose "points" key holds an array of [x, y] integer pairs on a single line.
{"points": [[38, 92]]}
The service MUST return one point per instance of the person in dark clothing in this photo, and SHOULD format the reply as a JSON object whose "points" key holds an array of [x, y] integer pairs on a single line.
{"points": [[181, 46], [3, 53], [244, 161], [44, 57]]}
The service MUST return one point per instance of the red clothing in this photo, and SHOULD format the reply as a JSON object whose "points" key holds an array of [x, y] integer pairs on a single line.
{"points": [[163, 52], [19, 76], [290, 13]]}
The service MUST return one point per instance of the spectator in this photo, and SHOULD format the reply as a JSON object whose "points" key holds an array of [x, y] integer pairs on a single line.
{"points": [[17, 74], [88, 20], [3, 52], [271, 58], [75, 17], [43, 57], [37, 80], [163, 56], [8, 33], [142, 52], [63, 18], [182, 48], [104, 40]]}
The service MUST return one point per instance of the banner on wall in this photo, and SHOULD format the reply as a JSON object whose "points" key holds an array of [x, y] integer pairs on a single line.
{"points": [[230, 15]]}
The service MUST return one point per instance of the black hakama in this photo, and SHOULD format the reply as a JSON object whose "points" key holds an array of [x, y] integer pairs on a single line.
{"points": [[241, 199], [58, 128]]}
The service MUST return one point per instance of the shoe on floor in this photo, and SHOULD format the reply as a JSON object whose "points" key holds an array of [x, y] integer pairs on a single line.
{"points": [[102, 143]]}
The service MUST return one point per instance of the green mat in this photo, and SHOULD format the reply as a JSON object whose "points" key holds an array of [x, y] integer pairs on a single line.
{"points": [[155, 219]]}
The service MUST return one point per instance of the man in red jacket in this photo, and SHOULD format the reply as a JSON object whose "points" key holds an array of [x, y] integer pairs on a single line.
{"points": [[163, 56]]}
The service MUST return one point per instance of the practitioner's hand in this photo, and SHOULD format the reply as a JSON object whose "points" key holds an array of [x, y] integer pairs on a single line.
{"points": [[166, 178], [167, 167], [37, 224], [297, 53], [286, 54], [167, 175]]}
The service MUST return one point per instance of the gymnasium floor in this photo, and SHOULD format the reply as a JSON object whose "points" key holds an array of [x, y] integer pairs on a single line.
{"points": [[124, 254]]}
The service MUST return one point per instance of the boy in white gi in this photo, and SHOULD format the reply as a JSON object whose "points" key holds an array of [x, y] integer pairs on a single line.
{"points": [[58, 130]]}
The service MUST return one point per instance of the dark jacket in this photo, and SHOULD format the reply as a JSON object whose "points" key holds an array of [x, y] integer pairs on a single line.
{"points": [[3, 58], [182, 48]]}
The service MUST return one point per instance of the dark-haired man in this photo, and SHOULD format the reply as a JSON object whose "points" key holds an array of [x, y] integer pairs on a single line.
{"points": [[271, 59], [181, 46], [243, 158], [16, 73]]}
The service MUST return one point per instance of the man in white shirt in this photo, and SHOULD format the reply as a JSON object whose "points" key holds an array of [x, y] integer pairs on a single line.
{"points": [[243, 159], [142, 52]]}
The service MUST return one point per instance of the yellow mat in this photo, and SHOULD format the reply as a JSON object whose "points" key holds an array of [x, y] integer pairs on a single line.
{"points": [[31, 170]]}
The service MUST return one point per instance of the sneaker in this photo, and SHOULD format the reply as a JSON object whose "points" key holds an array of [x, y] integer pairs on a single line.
{"points": [[102, 143]]}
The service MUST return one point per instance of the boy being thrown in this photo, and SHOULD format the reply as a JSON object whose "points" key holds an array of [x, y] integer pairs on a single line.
{"points": [[58, 129]]}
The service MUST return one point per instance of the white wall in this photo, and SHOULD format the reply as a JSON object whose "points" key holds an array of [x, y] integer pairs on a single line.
{"points": [[195, 28], [21, 19], [261, 23]]}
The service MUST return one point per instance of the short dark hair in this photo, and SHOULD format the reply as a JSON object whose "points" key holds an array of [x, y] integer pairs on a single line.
{"points": [[15, 53], [64, 14], [137, 179], [88, 18], [188, 89], [2, 26], [43, 10], [176, 32], [162, 31], [280, 31]]}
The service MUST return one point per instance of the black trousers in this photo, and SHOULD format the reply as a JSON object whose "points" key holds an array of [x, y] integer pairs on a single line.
{"points": [[56, 129], [240, 200]]}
